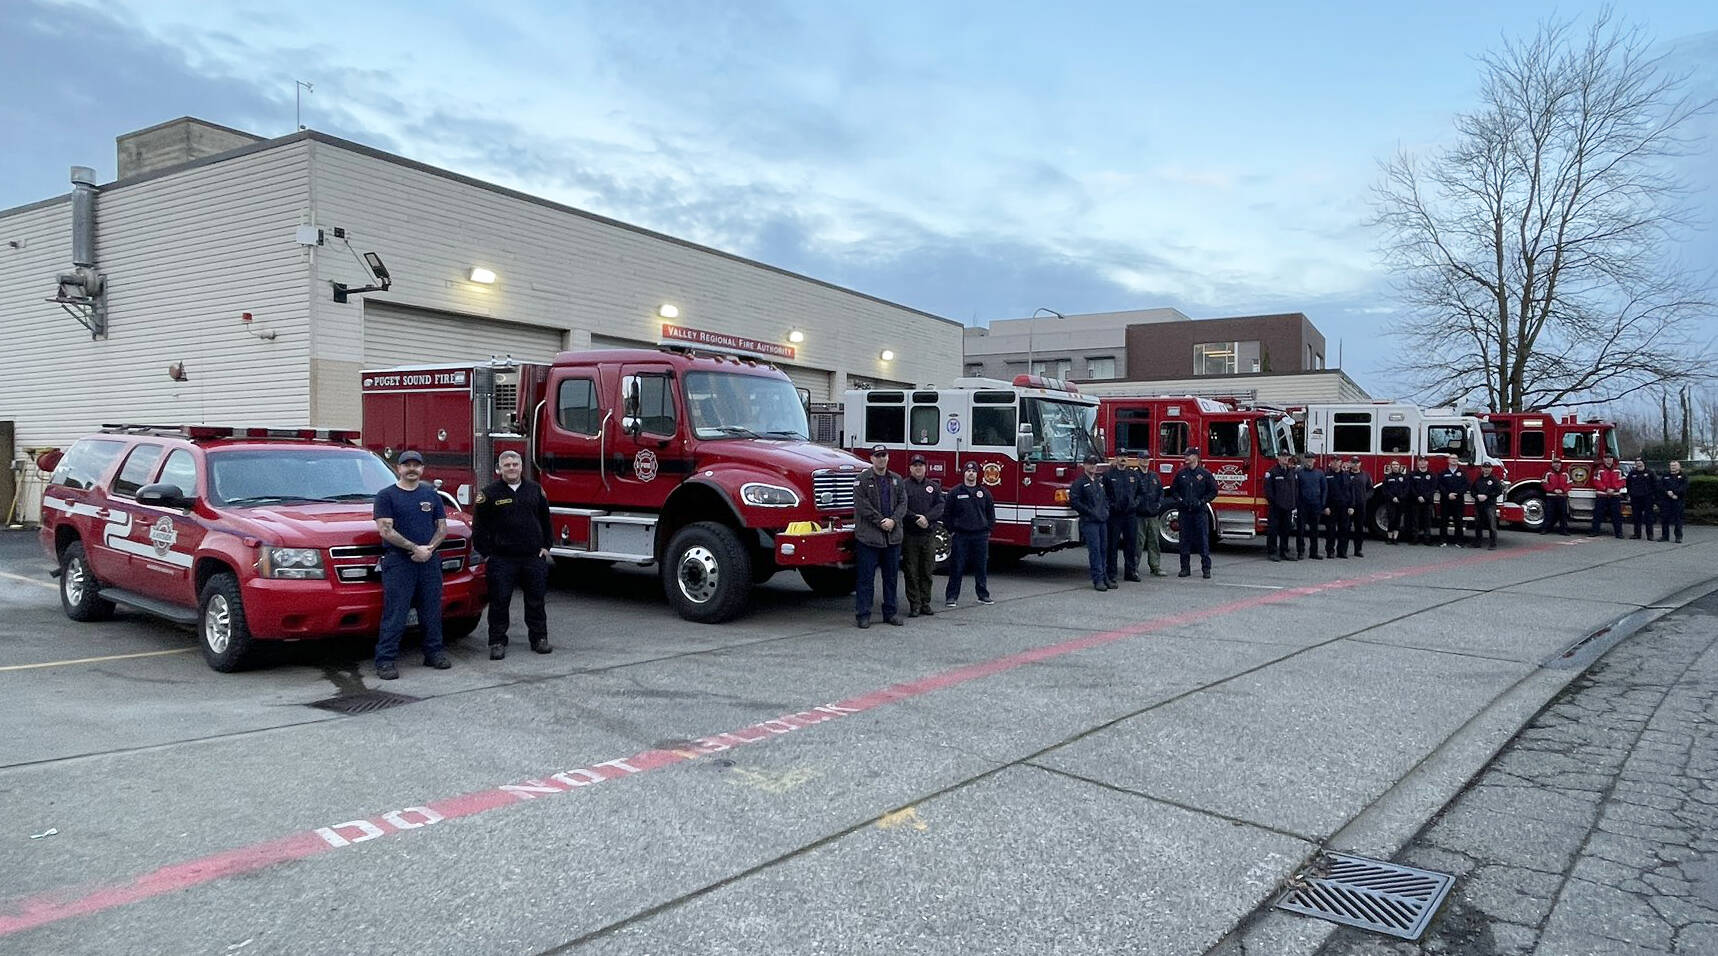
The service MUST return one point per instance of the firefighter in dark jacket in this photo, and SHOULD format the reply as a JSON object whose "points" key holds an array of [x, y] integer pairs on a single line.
{"points": [[970, 516], [1089, 500], [919, 544], [1121, 554], [1335, 493], [1394, 494], [1310, 491], [1191, 491], [1359, 489], [1672, 492], [1486, 492], [510, 527], [879, 508], [1452, 489], [1422, 495], [1642, 486], [1149, 508], [1281, 492], [1557, 485]]}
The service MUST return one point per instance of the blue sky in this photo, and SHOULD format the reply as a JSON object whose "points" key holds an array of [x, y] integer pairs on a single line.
{"points": [[974, 160]]}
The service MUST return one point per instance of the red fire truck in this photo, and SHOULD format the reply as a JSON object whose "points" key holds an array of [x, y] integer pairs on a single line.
{"points": [[695, 461], [1527, 441], [1028, 436], [1237, 444], [1384, 432]]}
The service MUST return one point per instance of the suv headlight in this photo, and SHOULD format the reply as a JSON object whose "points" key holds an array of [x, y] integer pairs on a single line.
{"points": [[298, 563], [768, 496]]}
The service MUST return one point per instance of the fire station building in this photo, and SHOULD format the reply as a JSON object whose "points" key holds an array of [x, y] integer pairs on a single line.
{"points": [[203, 284]]}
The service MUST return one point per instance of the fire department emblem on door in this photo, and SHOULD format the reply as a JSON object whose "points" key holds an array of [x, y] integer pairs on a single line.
{"points": [[1229, 479], [163, 535], [644, 464], [992, 473]]}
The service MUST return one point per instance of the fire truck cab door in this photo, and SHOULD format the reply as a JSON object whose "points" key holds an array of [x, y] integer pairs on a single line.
{"points": [[569, 440], [647, 459], [1228, 453]]}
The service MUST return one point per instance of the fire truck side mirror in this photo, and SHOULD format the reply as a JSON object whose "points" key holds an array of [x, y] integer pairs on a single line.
{"points": [[1023, 439], [629, 402], [163, 495]]}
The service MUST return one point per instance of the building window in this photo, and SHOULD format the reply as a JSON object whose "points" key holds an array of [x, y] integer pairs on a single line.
{"points": [[1104, 367], [1215, 358], [1053, 368], [974, 369]]}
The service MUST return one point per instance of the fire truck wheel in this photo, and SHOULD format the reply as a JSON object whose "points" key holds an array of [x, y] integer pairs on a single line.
{"points": [[1532, 510], [829, 582], [455, 628], [944, 548], [221, 627], [1376, 520], [78, 587], [708, 573], [1170, 539]]}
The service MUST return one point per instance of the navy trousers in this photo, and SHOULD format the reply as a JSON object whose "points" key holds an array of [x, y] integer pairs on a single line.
{"points": [[1195, 536], [1096, 536], [1123, 533], [528, 575], [405, 584], [1642, 515], [971, 555], [1670, 514], [869, 561]]}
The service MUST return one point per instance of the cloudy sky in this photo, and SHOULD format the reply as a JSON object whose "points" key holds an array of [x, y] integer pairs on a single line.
{"points": [[973, 160]]}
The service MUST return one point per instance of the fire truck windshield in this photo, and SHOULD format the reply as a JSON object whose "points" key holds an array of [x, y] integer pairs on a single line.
{"points": [[1061, 431], [1584, 445], [729, 405], [295, 474]]}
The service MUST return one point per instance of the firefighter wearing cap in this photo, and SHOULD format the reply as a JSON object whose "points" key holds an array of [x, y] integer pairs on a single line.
{"points": [[970, 516], [1311, 490], [1486, 491], [1422, 493], [1149, 516], [879, 508], [1122, 552], [1642, 485], [1452, 488], [1357, 486], [412, 521], [1089, 500], [1281, 493], [1192, 491], [1395, 497], [919, 544], [1608, 485], [1557, 487]]}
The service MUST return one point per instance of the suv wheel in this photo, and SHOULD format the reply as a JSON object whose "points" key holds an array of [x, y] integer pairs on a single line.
{"points": [[707, 573], [221, 627], [79, 590]]}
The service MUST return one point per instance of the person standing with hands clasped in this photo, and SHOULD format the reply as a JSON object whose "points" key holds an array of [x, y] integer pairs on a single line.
{"points": [[1121, 553], [1486, 491], [1088, 499], [1642, 486], [1281, 492], [1422, 491], [1452, 488], [1557, 487], [410, 516], [1673, 491], [879, 507], [511, 528], [1608, 485], [1395, 495], [1191, 491], [1149, 516], [925, 502], [970, 515]]}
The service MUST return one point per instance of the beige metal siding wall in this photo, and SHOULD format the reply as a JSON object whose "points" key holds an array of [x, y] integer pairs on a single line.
{"points": [[400, 336], [184, 255], [584, 276]]}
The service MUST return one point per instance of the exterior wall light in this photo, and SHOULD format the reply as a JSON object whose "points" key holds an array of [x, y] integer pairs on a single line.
{"points": [[482, 275], [668, 311], [887, 355], [796, 336]]}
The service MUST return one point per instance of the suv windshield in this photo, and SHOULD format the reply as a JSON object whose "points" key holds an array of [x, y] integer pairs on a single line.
{"points": [[295, 474], [1061, 431], [728, 405]]}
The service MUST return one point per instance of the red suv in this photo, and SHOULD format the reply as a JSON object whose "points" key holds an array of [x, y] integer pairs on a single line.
{"points": [[249, 534]]}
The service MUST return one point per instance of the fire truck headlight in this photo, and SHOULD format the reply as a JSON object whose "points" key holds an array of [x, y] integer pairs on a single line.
{"points": [[768, 496], [299, 563]]}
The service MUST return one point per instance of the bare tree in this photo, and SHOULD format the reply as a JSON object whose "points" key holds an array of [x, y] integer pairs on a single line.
{"points": [[1532, 251]]}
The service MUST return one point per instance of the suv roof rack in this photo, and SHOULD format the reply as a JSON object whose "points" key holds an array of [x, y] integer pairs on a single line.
{"points": [[206, 432]]}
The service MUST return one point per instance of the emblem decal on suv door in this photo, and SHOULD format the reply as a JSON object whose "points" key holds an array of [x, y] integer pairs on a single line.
{"points": [[163, 536]]}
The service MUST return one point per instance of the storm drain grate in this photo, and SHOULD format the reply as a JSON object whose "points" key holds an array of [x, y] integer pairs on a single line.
{"points": [[365, 702], [1369, 894]]}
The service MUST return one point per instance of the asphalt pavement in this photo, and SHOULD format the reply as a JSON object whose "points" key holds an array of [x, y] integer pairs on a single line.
{"points": [[1065, 771]]}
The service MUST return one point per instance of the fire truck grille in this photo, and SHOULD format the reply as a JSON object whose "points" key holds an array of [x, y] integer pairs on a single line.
{"points": [[833, 490], [448, 545]]}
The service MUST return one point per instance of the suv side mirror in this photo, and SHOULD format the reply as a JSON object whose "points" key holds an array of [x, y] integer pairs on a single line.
{"points": [[629, 402], [163, 495], [1023, 440]]}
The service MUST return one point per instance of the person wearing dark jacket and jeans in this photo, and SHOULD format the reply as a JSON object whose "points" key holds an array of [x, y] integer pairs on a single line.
{"points": [[1642, 486], [879, 508], [1149, 517], [1452, 490], [919, 543], [1335, 494], [510, 527], [1486, 491], [1089, 500], [1310, 492], [1192, 490], [1395, 497], [1121, 554], [1358, 487], [970, 515], [1422, 495], [1672, 492], [1281, 492]]}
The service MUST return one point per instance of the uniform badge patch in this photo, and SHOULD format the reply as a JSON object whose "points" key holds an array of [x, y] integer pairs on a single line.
{"points": [[480, 498], [425, 506]]}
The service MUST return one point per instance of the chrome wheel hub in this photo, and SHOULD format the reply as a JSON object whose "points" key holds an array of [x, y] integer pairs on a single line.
{"points": [[698, 574], [218, 624]]}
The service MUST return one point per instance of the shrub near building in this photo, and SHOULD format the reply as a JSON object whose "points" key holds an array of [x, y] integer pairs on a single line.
{"points": [[1702, 499]]}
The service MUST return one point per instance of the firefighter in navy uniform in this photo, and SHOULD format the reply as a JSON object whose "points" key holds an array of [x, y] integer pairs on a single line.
{"points": [[1358, 486], [1395, 496], [1280, 495], [1486, 492], [510, 527], [1089, 500], [1335, 509], [1557, 487], [970, 515], [1149, 517], [925, 502], [1452, 489], [1642, 486], [1122, 486], [1422, 493], [1672, 491], [1310, 491], [1192, 490], [413, 523]]}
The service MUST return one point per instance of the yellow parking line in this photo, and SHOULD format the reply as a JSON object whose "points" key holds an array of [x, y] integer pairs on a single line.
{"points": [[36, 581], [92, 660]]}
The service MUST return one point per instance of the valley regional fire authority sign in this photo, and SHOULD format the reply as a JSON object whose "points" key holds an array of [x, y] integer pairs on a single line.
{"points": [[722, 342]]}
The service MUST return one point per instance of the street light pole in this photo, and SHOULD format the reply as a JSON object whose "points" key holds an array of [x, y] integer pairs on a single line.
{"points": [[1031, 353]]}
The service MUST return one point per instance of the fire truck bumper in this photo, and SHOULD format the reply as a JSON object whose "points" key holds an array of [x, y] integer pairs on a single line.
{"points": [[801, 547], [1510, 511], [286, 610], [1052, 533]]}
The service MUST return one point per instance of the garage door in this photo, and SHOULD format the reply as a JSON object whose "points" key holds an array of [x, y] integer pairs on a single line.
{"points": [[394, 335], [812, 380]]}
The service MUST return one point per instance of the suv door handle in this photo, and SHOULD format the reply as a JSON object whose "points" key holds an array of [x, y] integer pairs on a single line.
{"points": [[103, 513]]}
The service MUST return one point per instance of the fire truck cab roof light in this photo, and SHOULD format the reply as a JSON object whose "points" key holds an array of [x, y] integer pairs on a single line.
{"points": [[199, 432]]}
